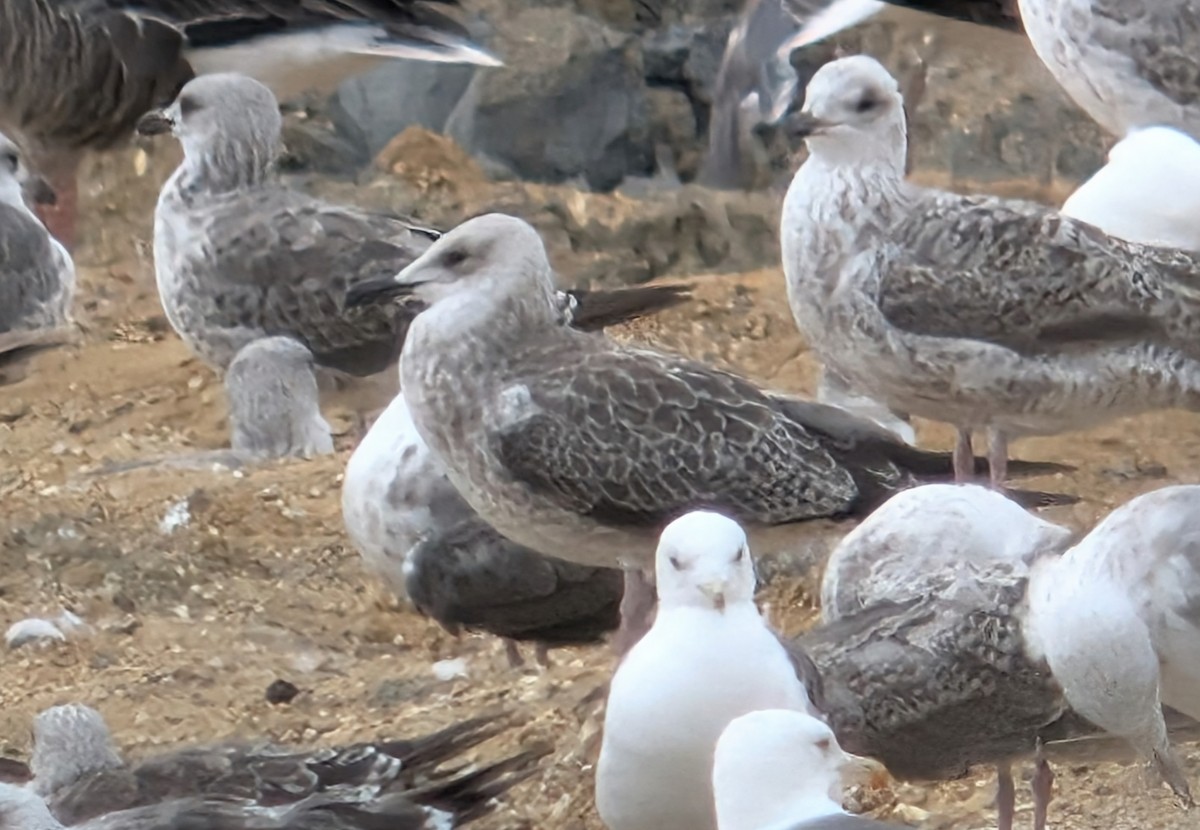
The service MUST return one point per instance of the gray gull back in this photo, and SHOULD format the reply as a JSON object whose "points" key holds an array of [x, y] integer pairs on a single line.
{"points": [[239, 256], [274, 405], [983, 312], [784, 770], [85, 783], [37, 275]]}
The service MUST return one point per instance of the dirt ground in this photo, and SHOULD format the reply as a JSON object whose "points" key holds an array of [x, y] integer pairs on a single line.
{"points": [[202, 587]]}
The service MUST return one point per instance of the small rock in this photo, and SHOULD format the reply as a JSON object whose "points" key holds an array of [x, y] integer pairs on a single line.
{"points": [[450, 669], [178, 515], [33, 632], [281, 691]]}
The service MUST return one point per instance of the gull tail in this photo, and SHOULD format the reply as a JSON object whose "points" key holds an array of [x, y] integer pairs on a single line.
{"points": [[469, 794], [595, 310], [429, 44], [997, 14]]}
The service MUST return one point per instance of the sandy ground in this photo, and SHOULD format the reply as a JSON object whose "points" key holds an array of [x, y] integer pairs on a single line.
{"points": [[203, 587]]}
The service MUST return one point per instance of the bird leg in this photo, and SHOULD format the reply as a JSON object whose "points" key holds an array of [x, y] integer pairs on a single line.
{"points": [[997, 457], [1168, 766], [513, 652], [1006, 796], [1043, 789], [637, 610], [964, 457], [60, 218], [541, 653]]}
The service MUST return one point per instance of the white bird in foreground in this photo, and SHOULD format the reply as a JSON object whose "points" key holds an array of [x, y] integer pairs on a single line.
{"points": [[708, 658], [779, 769], [1148, 192]]}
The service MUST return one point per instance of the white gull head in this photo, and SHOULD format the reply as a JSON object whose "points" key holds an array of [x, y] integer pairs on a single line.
{"points": [[68, 742], [22, 809], [853, 114], [228, 124], [18, 184], [493, 261], [777, 768], [703, 561]]}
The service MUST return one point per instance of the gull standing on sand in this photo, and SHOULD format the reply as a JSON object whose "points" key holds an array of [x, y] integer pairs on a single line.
{"points": [[576, 446], [37, 276], [780, 769], [983, 312], [708, 658], [76, 76], [274, 405], [424, 541], [238, 256], [81, 780]]}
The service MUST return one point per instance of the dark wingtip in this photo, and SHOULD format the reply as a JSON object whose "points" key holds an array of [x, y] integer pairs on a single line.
{"points": [[1027, 469], [1036, 498], [599, 309], [375, 291], [13, 771]]}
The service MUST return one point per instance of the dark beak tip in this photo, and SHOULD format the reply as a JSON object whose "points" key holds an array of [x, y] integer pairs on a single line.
{"points": [[41, 193], [153, 123], [371, 292]]}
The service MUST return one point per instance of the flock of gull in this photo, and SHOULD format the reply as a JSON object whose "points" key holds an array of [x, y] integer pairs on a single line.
{"points": [[540, 481]]}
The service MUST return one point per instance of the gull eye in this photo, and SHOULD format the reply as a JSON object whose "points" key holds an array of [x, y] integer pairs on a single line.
{"points": [[188, 105], [453, 258], [11, 160], [866, 103], [823, 745], [676, 564], [740, 554]]}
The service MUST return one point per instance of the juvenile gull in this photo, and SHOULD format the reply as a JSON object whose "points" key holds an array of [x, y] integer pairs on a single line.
{"points": [[1117, 617], [425, 542], [274, 406], [1148, 192], [76, 75], [84, 782], [239, 256], [708, 658], [983, 312], [37, 276], [779, 769], [576, 446]]}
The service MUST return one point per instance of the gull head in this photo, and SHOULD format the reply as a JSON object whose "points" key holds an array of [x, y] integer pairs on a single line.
{"points": [[853, 111], [495, 257], [19, 184], [69, 741], [779, 767], [703, 561], [274, 402], [221, 114], [22, 809]]}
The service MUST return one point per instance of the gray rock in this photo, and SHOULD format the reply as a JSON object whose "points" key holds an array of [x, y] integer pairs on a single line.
{"points": [[372, 109], [570, 101]]}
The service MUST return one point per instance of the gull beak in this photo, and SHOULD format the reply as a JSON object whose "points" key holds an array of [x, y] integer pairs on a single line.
{"points": [[804, 125], [156, 122], [39, 191], [715, 593], [866, 772]]}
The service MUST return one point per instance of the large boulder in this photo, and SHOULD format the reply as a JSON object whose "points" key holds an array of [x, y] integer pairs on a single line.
{"points": [[570, 102]]}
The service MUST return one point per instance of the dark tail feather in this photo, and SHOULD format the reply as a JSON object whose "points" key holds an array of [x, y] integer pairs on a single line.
{"points": [[469, 795], [441, 746], [998, 14], [1031, 499], [595, 310], [1026, 469]]}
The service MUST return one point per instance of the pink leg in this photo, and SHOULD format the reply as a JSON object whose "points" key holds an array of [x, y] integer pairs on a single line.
{"points": [[637, 610], [1043, 790], [1006, 796], [964, 457], [61, 217]]}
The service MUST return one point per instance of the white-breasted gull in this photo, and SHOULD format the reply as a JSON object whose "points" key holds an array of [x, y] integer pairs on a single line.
{"points": [[239, 256], [782, 769], [274, 404], [708, 658], [424, 541], [80, 777], [576, 446], [983, 312], [1148, 191], [1117, 617], [75, 75], [37, 275]]}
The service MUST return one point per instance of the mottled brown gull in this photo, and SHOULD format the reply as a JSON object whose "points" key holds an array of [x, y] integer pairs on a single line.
{"points": [[80, 780], [239, 256], [983, 312], [37, 275], [580, 447], [424, 541], [274, 405], [75, 75]]}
